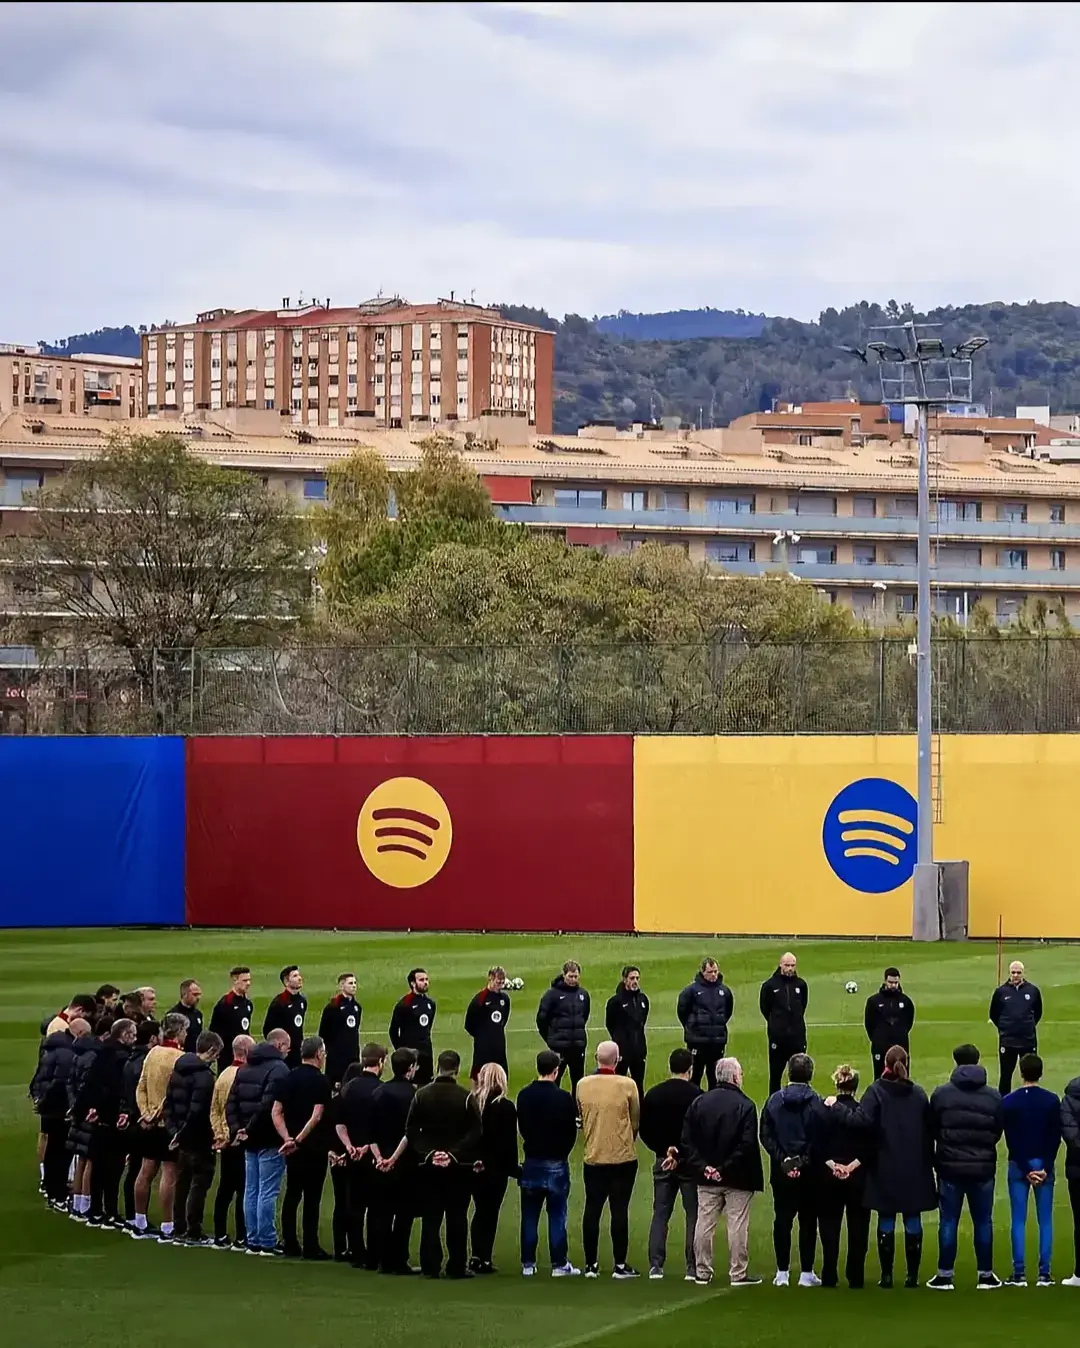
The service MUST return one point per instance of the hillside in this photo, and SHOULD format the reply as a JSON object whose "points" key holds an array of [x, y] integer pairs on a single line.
{"points": [[678, 325]]}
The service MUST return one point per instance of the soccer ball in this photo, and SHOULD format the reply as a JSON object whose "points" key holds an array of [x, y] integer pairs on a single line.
{"points": [[851, 986], [515, 984]]}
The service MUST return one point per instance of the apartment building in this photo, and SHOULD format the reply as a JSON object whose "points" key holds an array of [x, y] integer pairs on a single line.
{"points": [[384, 365], [106, 387]]}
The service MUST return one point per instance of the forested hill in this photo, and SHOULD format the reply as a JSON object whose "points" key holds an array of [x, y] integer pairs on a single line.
{"points": [[1033, 357], [679, 325], [125, 341]]}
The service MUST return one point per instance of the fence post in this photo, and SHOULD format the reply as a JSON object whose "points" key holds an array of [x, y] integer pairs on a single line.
{"points": [[881, 685]]}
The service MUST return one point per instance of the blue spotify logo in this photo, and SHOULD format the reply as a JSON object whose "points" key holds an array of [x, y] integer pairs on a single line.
{"points": [[870, 835]]}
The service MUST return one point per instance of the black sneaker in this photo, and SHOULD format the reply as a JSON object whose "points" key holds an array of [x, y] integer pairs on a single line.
{"points": [[748, 1280], [1017, 1280], [592, 1271], [198, 1242], [223, 1243], [317, 1256], [624, 1272], [988, 1282], [941, 1282], [146, 1233], [169, 1238], [96, 1222]]}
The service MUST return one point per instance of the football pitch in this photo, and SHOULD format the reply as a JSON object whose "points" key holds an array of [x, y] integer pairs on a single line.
{"points": [[61, 1283]]}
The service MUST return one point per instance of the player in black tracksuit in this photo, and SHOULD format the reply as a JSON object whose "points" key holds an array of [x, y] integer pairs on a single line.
{"points": [[783, 1005], [563, 1020], [356, 1131], [485, 1021], [395, 1188], [626, 1016], [412, 1023], [890, 1014], [705, 1008], [1015, 1009], [234, 1013], [287, 1011], [339, 1029], [188, 1007]]}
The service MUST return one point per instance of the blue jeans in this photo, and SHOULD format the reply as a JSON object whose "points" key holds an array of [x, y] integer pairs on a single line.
{"points": [[980, 1198], [886, 1223], [544, 1182], [263, 1173], [1019, 1189]]}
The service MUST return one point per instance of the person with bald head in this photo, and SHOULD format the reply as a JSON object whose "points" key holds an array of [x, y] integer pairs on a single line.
{"points": [[610, 1111], [249, 1113], [1015, 1010], [49, 1092], [783, 1005]]}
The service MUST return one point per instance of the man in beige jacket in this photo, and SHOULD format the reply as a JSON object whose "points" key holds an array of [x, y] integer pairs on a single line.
{"points": [[610, 1111]]}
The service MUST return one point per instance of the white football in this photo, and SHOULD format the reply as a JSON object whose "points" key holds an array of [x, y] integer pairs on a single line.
{"points": [[515, 984], [851, 986]]}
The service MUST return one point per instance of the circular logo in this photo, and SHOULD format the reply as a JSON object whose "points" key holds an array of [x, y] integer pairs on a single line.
{"points": [[351, 1022], [245, 1023], [424, 1020], [870, 835], [404, 832], [298, 1021], [496, 1017]]}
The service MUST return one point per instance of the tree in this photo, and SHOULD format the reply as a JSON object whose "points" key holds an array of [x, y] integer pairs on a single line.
{"points": [[148, 549]]}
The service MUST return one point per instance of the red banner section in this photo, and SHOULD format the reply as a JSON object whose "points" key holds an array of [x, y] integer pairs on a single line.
{"points": [[472, 833]]}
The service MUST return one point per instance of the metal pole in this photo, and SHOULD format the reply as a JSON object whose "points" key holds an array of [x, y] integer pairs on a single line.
{"points": [[925, 924]]}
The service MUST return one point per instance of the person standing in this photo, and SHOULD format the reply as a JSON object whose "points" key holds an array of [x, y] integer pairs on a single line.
{"points": [[720, 1153], [147, 1036], [610, 1110], [187, 1117], [890, 1014], [230, 1190], [412, 1023], [793, 1126], [485, 1022], [663, 1111], [188, 1007], [704, 1009], [49, 1092], [901, 1162], [249, 1112], [339, 1029], [233, 1013], [626, 1015], [783, 1003], [157, 1156], [967, 1121], [1015, 1011], [548, 1122], [1070, 1132], [498, 1162], [355, 1130], [80, 1133], [107, 1118], [395, 1199], [563, 1019], [1032, 1137], [843, 1185], [287, 1011], [444, 1130], [299, 1115]]}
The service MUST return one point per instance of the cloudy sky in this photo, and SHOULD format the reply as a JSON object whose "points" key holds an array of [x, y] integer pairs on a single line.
{"points": [[160, 159]]}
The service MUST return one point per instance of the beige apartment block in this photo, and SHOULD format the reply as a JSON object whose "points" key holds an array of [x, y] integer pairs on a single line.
{"points": [[105, 387]]}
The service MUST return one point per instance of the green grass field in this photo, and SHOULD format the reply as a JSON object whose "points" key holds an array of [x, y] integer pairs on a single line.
{"points": [[63, 1284]]}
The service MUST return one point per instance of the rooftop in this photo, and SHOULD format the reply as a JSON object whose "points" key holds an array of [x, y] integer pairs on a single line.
{"points": [[369, 313]]}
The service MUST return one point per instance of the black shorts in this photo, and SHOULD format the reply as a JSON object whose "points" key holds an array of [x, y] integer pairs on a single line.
{"points": [[154, 1144]]}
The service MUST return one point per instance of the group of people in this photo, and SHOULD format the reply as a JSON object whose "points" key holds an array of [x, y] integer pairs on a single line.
{"points": [[127, 1100]]}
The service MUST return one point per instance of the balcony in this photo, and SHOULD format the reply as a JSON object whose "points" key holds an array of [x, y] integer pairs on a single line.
{"points": [[951, 577]]}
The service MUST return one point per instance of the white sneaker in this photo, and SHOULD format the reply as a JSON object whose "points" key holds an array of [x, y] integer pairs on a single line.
{"points": [[656, 1274], [1074, 1281], [528, 1270], [809, 1280], [781, 1279], [566, 1271], [690, 1277]]}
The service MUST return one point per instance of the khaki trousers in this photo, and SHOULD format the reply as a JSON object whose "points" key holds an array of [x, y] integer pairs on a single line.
{"points": [[714, 1199]]}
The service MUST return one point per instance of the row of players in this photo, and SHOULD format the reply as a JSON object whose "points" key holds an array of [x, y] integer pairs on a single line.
{"points": [[705, 1009]]}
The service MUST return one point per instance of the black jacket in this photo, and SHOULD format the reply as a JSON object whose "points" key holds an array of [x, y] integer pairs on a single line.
{"points": [[357, 1108], [704, 1010], [132, 1071], [967, 1121], [187, 1103], [339, 1029], [86, 1050], [1016, 1013], [251, 1099], [104, 1088], [563, 1017], [286, 1012], [49, 1088], [900, 1151], [412, 1022], [444, 1117], [888, 1019], [499, 1138], [663, 1112], [485, 1020], [626, 1016], [194, 1019], [783, 1004], [390, 1114], [1070, 1128], [231, 1016], [721, 1131], [794, 1124], [547, 1119]]}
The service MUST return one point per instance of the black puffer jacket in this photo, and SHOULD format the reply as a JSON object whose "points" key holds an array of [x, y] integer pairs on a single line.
{"points": [[1070, 1128], [251, 1100], [187, 1103], [49, 1088], [889, 1016], [104, 1088], [967, 1121], [1016, 1012], [901, 1159], [132, 1072], [704, 1010], [783, 1004], [86, 1051], [563, 1017], [626, 1015]]}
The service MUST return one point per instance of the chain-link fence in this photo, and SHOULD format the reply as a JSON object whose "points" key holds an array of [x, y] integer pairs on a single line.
{"points": [[982, 686]]}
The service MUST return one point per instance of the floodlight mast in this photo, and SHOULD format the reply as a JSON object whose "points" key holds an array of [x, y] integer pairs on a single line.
{"points": [[917, 371]]}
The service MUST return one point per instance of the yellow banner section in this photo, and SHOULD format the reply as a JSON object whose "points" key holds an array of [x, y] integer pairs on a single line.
{"points": [[818, 836]]}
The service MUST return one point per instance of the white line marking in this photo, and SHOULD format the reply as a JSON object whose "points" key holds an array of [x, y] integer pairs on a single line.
{"points": [[645, 1316]]}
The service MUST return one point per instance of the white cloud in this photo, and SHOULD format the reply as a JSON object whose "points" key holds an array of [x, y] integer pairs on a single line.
{"points": [[160, 159]]}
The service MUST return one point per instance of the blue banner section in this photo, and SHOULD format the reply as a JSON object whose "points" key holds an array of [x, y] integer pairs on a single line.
{"points": [[91, 832]]}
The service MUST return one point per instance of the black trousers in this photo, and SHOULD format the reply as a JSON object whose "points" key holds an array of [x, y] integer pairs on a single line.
{"points": [[704, 1065], [230, 1193], [444, 1197], [635, 1069], [305, 1175], [795, 1198], [194, 1176], [362, 1225], [425, 1067], [489, 1190], [339, 1178], [840, 1200], [1009, 1057], [108, 1148], [779, 1054], [613, 1185], [133, 1133], [395, 1209], [573, 1060], [1074, 1200], [57, 1159]]}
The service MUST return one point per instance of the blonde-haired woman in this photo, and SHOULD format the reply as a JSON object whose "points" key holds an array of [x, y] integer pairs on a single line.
{"points": [[843, 1186], [498, 1162]]}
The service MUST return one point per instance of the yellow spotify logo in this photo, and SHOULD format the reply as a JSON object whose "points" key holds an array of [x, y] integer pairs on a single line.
{"points": [[404, 832]]}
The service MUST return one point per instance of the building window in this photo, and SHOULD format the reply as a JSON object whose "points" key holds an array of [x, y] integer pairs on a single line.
{"points": [[673, 500], [1008, 606], [635, 500], [865, 554], [902, 508], [811, 503], [959, 510], [1057, 514], [1012, 512], [901, 556], [817, 554], [720, 550], [905, 603], [729, 505], [1013, 559], [1057, 559], [583, 498], [314, 489]]}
